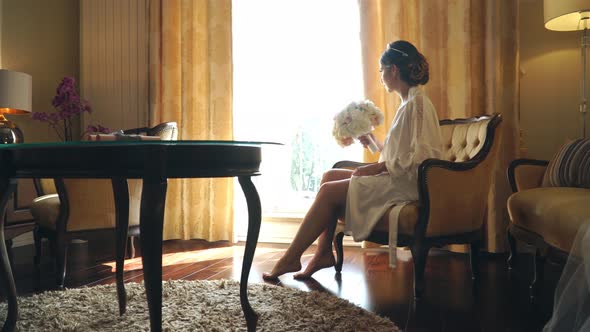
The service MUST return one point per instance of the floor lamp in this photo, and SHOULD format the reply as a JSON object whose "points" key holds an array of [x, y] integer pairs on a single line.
{"points": [[572, 15]]}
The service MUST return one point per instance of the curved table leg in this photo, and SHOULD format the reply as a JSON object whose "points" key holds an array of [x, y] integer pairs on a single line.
{"points": [[121, 195], [254, 220], [153, 200], [7, 187]]}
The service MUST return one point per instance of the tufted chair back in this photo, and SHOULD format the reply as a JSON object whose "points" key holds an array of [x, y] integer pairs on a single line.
{"points": [[168, 131], [463, 138]]}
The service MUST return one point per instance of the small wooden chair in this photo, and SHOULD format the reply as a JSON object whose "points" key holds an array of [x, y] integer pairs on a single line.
{"points": [[68, 209]]}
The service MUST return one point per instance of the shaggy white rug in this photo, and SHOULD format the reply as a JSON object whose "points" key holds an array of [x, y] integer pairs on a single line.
{"points": [[194, 306]]}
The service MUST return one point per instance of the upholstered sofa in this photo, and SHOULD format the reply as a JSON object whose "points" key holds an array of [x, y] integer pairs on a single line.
{"points": [[551, 200]]}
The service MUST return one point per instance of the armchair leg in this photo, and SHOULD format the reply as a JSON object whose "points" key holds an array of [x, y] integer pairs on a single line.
{"points": [[513, 253], [539, 273], [339, 252], [38, 247], [419, 255], [131, 247], [474, 260], [61, 253]]}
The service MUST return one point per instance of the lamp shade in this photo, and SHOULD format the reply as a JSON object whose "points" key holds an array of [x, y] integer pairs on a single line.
{"points": [[16, 91], [566, 15]]}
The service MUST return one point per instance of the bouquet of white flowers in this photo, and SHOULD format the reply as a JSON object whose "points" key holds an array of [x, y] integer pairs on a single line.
{"points": [[357, 119]]}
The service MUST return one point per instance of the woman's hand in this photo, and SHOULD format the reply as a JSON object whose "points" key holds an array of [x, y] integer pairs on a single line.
{"points": [[371, 169], [366, 140]]}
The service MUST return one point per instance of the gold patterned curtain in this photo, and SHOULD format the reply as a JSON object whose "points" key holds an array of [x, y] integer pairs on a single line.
{"points": [[191, 83], [472, 48]]}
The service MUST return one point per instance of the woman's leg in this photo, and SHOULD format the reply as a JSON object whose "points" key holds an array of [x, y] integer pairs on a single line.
{"points": [[324, 256], [320, 220]]}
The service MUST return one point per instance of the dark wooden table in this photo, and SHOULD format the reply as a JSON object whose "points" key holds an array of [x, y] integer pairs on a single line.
{"points": [[154, 162]]}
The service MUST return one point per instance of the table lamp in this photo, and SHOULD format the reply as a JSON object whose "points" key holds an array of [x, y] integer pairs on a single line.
{"points": [[571, 15], [15, 98]]}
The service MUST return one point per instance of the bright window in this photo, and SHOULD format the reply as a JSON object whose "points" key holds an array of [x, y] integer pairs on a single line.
{"points": [[296, 63]]}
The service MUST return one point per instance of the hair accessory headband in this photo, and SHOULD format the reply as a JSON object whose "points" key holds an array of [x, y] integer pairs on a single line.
{"points": [[399, 51]]}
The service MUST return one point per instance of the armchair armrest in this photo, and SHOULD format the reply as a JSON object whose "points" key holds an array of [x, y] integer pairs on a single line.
{"points": [[526, 173], [453, 196], [348, 164]]}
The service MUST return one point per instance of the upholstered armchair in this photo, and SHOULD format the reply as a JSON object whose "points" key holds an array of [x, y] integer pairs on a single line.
{"points": [[69, 209], [551, 201], [452, 196]]}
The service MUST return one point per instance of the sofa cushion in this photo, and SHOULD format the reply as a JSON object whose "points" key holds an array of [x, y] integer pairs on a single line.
{"points": [[570, 167], [553, 213]]}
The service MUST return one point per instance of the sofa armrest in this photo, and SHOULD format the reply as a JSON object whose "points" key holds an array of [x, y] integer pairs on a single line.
{"points": [[526, 173], [348, 164], [453, 196]]}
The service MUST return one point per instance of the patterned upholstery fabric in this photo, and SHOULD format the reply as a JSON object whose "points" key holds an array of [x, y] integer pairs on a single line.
{"points": [[570, 167], [168, 131]]}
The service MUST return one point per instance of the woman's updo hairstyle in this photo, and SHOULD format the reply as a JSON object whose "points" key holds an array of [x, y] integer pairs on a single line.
{"points": [[412, 64]]}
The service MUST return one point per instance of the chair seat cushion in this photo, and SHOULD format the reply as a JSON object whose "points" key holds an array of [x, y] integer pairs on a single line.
{"points": [[554, 213], [408, 218], [45, 209]]}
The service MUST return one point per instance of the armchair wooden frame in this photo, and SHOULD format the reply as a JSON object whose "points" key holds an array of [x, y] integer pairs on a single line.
{"points": [[60, 238], [418, 242]]}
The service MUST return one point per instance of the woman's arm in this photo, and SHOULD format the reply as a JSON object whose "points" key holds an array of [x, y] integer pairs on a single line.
{"points": [[371, 169], [366, 140]]}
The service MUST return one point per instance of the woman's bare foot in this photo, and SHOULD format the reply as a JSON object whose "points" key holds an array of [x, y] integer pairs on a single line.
{"points": [[318, 262], [281, 267]]}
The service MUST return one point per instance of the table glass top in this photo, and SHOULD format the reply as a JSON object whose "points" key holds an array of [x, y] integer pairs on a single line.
{"points": [[20, 146]]}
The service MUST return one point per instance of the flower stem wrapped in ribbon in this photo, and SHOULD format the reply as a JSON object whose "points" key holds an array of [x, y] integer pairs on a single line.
{"points": [[357, 119]]}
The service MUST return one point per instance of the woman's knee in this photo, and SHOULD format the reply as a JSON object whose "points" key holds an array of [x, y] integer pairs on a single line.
{"points": [[332, 191], [336, 174], [327, 176]]}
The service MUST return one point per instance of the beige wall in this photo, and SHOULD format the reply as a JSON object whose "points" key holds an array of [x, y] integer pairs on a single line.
{"points": [[40, 38], [550, 83]]}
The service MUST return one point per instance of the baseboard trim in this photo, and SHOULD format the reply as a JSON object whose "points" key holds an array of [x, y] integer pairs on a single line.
{"points": [[282, 230]]}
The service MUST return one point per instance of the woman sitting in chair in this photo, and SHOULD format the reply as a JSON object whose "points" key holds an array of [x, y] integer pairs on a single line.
{"points": [[362, 196]]}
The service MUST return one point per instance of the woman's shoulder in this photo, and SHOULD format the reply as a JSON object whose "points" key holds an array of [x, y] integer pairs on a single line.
{"points": [[418, 99], [417, 92]]}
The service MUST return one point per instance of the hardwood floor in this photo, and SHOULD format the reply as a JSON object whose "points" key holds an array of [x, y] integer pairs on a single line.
{"points": [[501, 302]]}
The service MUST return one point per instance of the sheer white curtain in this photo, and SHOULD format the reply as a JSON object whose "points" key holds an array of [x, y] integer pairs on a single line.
{"points": [[296, 63]]}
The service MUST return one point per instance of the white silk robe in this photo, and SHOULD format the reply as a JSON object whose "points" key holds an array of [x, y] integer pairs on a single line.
{"points": [[414, 136]]}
